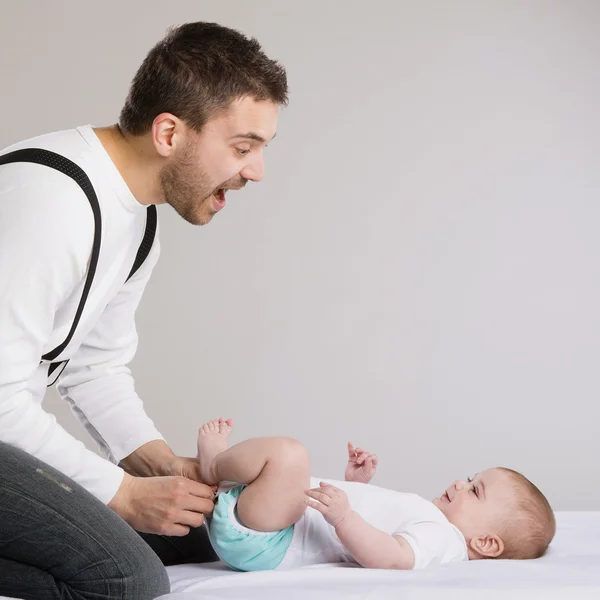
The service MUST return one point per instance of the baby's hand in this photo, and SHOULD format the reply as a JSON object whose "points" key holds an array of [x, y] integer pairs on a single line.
{"points": [[332, 502], [361, 465]]}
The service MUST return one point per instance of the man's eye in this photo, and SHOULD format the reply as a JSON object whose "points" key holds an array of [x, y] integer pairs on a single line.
{"points": [[242, 151]]}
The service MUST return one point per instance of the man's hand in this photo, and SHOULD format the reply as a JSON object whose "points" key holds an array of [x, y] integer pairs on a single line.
{"points": [[154, 459], [332, 503], [164, 505], [361, 465], [185, 467]]}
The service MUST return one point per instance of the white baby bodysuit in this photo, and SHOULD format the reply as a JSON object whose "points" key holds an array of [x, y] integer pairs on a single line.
{"points": [[434, 540]]}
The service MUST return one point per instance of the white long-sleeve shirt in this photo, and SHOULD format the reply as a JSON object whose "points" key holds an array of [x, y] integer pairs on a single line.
{"points": [[46, 234]]}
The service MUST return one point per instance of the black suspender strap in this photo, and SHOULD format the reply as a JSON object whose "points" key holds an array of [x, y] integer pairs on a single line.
{"points": [[75, 172], [147, 241]]}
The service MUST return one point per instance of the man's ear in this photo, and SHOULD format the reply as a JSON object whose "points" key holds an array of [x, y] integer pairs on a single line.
{"points": [[165, 133], [488, 546]]}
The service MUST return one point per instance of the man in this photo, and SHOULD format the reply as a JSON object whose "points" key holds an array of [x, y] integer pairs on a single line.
{"points": [[200, 111]]}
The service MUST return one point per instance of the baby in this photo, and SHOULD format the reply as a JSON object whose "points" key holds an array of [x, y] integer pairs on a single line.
{"points": [[262, 521]]}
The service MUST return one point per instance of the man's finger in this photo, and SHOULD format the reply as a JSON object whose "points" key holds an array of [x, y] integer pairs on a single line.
{"points": [[190, 519], [198, 505], [201, 490], [179, 531], [173, 529]]}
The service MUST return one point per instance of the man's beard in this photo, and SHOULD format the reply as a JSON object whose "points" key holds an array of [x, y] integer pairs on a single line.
{"points": [[186, 188]]}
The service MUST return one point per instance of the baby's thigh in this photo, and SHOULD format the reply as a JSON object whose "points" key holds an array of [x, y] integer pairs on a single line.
{"points": [[276, 499]]}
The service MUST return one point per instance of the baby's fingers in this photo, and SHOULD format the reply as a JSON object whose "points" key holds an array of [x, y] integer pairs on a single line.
{"points": [[329, 489], [362, 457], [371, 463], [316, 505], [317, 494], [351, 451]]}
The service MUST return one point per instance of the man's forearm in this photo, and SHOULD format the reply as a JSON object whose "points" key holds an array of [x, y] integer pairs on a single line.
{"points": [[371, 547], [152, 459]]}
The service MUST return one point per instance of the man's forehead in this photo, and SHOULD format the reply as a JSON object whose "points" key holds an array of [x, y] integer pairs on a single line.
{"points": [[251, 135], [248, 118]]}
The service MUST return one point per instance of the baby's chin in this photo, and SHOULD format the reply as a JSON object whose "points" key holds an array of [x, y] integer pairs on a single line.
{"points": [[438, 503]]}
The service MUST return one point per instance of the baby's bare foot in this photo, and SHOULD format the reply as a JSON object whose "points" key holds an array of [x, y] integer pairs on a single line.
{"points": [[212, 440]]}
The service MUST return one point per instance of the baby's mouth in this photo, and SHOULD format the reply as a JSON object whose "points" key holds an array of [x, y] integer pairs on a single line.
{"points": [[446, 498]]}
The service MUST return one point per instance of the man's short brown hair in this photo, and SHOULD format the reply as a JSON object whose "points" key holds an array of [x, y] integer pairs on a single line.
{"points": [[197, 70]]}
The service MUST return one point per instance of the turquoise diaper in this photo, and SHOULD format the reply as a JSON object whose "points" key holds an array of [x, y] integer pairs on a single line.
{"points": [[241, 548]]}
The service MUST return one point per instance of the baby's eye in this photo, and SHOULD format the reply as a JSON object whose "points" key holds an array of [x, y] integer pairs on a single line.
{"points": [[469, 479]]}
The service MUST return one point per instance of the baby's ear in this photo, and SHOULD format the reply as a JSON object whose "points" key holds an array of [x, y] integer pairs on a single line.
{"points": [[488, 546]]}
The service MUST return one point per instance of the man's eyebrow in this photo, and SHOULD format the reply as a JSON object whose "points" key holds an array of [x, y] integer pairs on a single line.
{"points": [[251, 136]]}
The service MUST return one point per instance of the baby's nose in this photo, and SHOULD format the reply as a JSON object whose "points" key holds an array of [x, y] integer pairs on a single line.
{"points": [[459, 484]]}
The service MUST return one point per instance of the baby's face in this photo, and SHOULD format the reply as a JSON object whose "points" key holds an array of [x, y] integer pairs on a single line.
{"points": [[478, 505]]}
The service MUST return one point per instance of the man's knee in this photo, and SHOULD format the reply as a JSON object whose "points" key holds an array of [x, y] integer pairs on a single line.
{"points": [[132, 570], [145, 576], [128, 572]]}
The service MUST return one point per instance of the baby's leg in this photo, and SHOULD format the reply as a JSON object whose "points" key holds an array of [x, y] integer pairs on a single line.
{"points": [[276, 469]]}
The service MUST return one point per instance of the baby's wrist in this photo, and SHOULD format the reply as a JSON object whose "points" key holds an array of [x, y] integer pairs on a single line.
{"points": [[345, 521]]}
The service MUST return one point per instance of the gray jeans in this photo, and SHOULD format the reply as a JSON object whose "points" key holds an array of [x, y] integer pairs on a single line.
{"points": [[57, 541]]}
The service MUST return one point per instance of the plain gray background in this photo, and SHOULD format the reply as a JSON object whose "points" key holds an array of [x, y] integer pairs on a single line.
{"points": [[419, 270]]}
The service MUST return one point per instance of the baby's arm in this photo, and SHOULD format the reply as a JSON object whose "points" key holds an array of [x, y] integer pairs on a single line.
{"points": [[370, 547], [373, 548]]}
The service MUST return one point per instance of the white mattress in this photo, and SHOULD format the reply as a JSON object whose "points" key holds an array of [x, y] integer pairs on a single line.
{"points": [[570, 570]]}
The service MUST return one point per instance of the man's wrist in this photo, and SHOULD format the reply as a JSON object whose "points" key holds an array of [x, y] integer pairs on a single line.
{"points": [[149, 460], [120, 501]]}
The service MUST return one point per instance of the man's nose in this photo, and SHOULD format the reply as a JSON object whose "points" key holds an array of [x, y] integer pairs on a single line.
{"points": [[254, 170]]}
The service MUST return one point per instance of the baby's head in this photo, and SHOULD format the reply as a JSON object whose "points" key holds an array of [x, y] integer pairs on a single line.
{"points": [[501, 514]]}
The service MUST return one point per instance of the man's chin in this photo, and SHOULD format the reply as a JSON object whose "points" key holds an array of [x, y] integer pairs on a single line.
{"points": [[197, 217], [201, 219]]}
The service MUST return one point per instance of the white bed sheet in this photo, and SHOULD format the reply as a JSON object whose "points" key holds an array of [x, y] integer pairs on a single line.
{"points": [[569, 571]]}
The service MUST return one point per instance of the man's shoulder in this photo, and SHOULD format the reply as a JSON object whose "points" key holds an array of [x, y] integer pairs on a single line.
{"points": [[47, 208], [59, 141], [45, 191], [73, 144]]}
